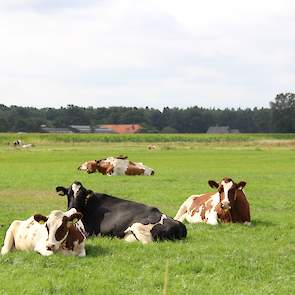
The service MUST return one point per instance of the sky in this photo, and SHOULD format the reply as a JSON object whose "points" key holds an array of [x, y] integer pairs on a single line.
{"points": [[156, 53]]}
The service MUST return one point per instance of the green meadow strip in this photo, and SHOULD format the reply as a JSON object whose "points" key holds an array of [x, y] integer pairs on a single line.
{"points": [[9, 138]]}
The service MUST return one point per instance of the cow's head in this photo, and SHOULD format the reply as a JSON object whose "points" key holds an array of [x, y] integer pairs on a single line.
{"points": [[228, 191], [77, 195], [89, 166], [57, 225]]}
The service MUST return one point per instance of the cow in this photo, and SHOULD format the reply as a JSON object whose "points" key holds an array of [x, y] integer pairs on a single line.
{"points": [[111, 216], [116, 166], [228, 204], [151, 147], [18, 143], [58, 232]]}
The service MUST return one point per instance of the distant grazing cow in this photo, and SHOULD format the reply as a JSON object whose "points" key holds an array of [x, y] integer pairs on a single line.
{"points": [[58, 232], [18, 143], [116, 166], [151, 147], [111, 216], [228, 204]]}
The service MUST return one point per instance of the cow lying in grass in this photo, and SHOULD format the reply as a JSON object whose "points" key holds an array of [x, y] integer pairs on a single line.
{"points": [[116, 166], [58, 232], [18, 144], [228, 204], [128, 220]]}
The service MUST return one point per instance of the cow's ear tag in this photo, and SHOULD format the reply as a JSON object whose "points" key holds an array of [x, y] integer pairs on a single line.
{"points": [[41, 221], [75, 220]]}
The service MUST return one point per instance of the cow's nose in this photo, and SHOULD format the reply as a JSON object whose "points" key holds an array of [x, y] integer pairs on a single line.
{"points": [[50, 247]]}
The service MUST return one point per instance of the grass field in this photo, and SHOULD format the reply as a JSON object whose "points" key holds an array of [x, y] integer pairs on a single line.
{"points": [[227, 259]]}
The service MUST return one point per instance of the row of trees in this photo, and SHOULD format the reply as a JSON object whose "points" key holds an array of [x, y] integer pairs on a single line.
{"points": [[280, 117]]}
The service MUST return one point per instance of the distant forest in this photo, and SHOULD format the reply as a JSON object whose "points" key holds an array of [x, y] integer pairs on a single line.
{"points": [[279, 117]]}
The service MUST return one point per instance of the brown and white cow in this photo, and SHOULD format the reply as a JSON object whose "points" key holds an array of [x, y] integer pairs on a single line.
{"points": [[57, 232], [228, 204], [116, 166]]}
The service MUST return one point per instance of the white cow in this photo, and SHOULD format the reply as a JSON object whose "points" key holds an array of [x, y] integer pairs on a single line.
{"points": [[58, 232]]}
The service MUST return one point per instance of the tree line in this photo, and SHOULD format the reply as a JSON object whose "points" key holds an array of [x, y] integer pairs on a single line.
{"points": [[279, 117]]}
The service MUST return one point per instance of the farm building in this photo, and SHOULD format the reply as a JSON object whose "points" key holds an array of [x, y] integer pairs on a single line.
{"points": [[76, 129], [110, 128], [89, 129], [221, 130], [123, 128], [46, 129]]}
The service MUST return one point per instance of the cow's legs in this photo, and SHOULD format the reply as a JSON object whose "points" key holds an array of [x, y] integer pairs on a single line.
{"points": [[41, 248], [182, 211], [130, 237], [212, 217], [79, 249], [140, 232], [44, 252], [248, 223], [9, 237], [82, 253]]}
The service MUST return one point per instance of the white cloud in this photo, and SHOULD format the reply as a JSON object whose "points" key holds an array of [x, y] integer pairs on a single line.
{"points": [[155, 53]]}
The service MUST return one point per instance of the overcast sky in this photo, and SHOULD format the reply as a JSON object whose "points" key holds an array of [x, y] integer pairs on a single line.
{"points": [[156, 53]]}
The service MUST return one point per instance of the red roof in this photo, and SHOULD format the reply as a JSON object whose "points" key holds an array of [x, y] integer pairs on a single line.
{"points": [[123, 128]]}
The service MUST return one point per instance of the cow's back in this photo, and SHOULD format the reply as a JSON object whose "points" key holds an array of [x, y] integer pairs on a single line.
{"points": [[26, 234], [120, 166], [134, 170], [109, 215], [199, 200], [124, 215]]}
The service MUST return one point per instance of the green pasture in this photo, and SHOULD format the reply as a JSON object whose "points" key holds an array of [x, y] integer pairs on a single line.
{"points": [[226, 259], [45, 138]]}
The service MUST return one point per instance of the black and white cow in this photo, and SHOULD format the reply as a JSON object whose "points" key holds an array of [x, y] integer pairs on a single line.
{"points": [[128, 220]]}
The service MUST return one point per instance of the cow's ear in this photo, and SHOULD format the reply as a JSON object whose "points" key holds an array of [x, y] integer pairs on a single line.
{"points": [[213, 184], [61, 190], [40, 218], [241, 185], [74, 218]]}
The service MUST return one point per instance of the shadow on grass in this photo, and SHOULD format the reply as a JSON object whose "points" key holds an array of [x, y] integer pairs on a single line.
{"points": [[95, 251], [266, 223]]}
